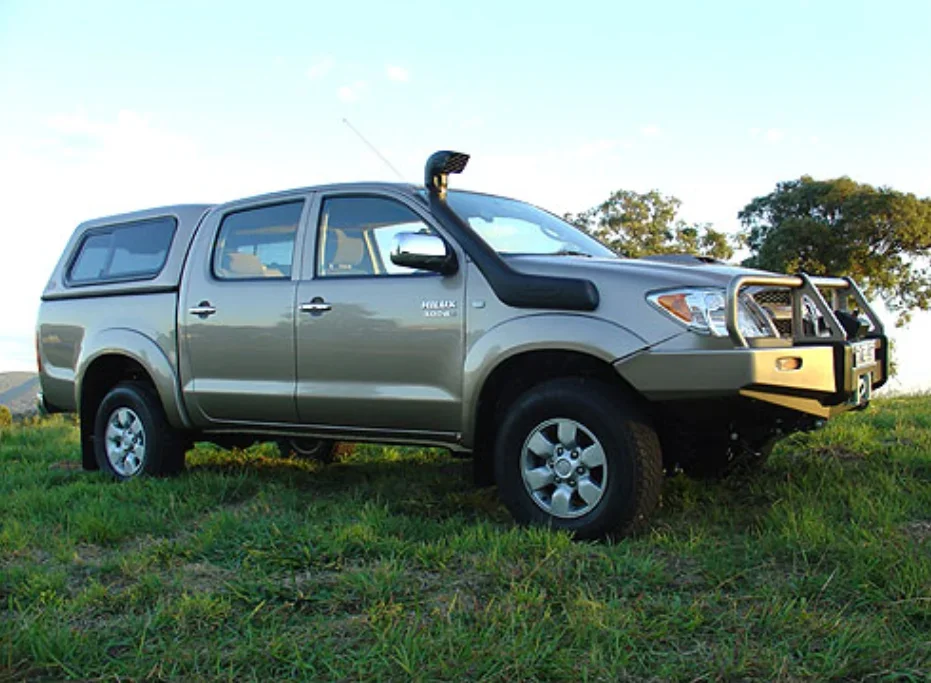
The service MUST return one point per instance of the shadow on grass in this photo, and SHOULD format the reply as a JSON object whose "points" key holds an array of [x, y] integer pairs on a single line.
{"points": [[435, 486], [414, 482]]}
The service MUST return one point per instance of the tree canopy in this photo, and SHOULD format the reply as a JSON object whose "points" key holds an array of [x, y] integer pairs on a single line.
{"points": [[635, 224], [878, 236]]}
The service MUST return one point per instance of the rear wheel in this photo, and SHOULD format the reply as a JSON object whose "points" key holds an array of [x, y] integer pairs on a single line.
{"points": [[132, 436], [575, 454], [322, 450]]}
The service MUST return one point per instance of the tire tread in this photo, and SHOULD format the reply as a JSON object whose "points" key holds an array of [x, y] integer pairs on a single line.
{"points": [[631, 425], [168, 458]]}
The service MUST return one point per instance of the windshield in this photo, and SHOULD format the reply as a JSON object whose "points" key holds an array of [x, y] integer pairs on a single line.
{"points": [[513, 227]]}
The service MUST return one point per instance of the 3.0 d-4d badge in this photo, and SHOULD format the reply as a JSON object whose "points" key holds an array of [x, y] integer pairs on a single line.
{"points": [[439, 309]]}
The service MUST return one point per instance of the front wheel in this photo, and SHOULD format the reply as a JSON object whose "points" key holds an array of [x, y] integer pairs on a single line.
{"points": [[576, 454], [132, 435]]}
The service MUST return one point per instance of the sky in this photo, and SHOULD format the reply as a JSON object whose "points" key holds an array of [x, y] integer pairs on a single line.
{"points": [[108, 107]]}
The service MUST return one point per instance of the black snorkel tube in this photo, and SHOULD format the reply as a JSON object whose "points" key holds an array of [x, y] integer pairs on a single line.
{"points": [[512, 287]]}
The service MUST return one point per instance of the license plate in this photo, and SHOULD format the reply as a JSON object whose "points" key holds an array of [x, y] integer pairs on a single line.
{"points": [[862, 389], [862, 362], [864, 353]]}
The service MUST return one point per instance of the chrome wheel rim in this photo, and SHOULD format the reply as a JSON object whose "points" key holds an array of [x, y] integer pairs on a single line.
{"points": [[125, 442], [564, 468]]}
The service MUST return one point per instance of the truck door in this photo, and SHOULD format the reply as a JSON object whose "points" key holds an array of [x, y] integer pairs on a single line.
{"points": [[237, 314], [378, 345]]}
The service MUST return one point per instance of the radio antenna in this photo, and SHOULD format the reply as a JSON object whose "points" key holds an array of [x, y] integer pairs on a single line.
{"points": [[374, 150]]}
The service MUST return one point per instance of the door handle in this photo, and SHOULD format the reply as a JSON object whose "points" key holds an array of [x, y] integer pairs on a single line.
{"points": [[203, 309], [315, 305]]}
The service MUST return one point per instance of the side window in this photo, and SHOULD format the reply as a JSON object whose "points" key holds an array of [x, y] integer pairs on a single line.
{"points": [[137, 250], [257, 243], [356, 234], [128, 251], [92, 259]]}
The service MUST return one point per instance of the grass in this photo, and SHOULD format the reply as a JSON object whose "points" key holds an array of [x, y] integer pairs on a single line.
{"points": [[389, 566]]}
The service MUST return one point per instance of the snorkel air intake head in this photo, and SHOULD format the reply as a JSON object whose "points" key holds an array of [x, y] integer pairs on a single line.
{"points": [[439, 166]]}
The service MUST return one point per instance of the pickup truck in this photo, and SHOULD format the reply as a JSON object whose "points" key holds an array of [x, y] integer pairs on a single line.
{"points": [[426, 315]]}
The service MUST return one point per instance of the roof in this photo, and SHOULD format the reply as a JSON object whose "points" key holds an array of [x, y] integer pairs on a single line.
{"points": [[185, 211]]}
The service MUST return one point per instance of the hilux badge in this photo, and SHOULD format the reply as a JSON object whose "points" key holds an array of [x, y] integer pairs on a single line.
{"points": [[439, 308]]}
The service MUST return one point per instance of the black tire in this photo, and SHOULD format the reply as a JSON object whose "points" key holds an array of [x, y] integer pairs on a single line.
{"points": [[164, 446], [321, 450], [628, 440]]}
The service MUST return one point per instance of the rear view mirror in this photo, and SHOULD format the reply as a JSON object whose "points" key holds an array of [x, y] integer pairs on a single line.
{"points": [[424, 252]]}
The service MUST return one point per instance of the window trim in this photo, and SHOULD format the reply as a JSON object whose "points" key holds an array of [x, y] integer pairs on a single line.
{"points": [[212, 256], [109, 229], [318, 243]]}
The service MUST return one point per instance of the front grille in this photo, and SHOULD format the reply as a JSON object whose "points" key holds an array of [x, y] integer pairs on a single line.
{"points": [[776, 302], [779, 297]]}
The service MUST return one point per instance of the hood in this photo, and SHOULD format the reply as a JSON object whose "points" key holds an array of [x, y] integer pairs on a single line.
{"points": [[649, 272]]}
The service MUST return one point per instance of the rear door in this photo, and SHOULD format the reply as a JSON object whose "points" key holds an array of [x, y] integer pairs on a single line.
{"points": [[237, 313], [378, 345]]}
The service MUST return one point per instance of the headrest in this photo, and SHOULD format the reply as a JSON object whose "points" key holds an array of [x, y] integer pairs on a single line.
{"points": [[349, 250], [245, 264]]}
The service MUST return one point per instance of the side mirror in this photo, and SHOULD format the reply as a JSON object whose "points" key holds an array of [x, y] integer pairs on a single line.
{"points": [[424, 252]]}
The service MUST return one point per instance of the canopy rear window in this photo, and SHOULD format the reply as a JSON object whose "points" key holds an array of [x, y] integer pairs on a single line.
{"points": [[122, 252]]}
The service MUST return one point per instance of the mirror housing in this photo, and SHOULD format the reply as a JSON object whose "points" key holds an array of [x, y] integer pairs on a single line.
{"points": [[424, 252]]}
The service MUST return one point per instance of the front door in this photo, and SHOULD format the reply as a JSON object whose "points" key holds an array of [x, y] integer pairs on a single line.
{"points": [[378, 345], [237, 315]]}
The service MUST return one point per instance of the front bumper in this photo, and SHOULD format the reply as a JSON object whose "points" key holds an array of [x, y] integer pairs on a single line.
{"points": [[822, 369], [819, 379]]}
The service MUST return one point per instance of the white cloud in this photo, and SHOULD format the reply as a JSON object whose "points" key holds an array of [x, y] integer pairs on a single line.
{"points": [[351, 92], [320, 67], [595, 148], [651, 130], [129, 140], [774, 135], [398, 73], [75, 123], [813, 139], [755, 132]]}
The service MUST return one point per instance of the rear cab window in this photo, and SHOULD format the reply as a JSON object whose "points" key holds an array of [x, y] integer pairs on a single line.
{"points": [[257, 243], [122, 252]]}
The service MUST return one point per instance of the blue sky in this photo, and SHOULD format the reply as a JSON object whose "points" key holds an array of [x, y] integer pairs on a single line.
{"points": [[112, 106]]}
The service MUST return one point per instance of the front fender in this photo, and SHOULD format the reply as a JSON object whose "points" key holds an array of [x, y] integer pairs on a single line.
{"points": [[585, 334], [119, 341]]}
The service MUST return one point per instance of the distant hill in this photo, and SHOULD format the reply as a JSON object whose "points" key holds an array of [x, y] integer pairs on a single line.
{"points": [[18, 391]]}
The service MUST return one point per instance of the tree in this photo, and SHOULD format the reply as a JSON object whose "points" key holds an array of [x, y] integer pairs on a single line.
{"points": [[6, 417], [635, 224], [878, 236]]}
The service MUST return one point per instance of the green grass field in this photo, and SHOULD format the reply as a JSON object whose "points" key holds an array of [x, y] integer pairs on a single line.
{"points": [[389, 566]]}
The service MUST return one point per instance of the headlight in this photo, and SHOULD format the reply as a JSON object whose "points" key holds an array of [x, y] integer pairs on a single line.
{"points": [[702, 309]]}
